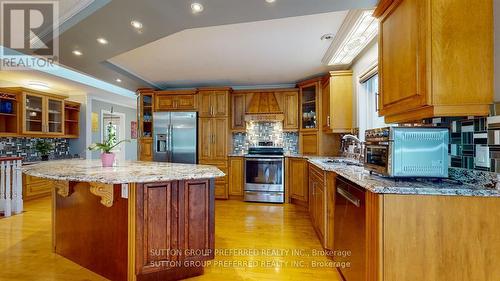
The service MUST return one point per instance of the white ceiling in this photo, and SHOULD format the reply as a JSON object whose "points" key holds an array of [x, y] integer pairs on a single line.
{"points": [[270, 52]]}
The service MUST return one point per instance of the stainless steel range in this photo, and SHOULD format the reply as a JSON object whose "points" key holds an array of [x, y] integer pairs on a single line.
{"points": [[264, 174]]}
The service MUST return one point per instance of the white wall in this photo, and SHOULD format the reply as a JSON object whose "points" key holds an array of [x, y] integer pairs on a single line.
{"points": [[363, 62]]}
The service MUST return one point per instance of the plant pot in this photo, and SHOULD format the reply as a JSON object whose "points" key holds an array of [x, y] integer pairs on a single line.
{"points": [[107, 159], [45, 158]]}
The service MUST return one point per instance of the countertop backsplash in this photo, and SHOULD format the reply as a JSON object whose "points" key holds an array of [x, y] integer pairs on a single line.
{"points": [[265, 131], [25, 147]]}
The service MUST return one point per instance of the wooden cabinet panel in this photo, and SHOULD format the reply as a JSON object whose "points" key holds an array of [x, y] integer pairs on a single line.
{"points": [[238, 111], [236, 181], [325, 106], [318, 201], [419, 73], [34, 187], [221, 184], [308, 143], [402, 50], [298, 178], [220, 103], [205, 103], [175, 102], [146, 149], [291, 110], [205, 139], [339, 103], [220, 144]]}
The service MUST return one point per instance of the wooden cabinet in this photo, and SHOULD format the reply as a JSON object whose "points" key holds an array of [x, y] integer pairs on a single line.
{"points": [[222, 183], [238, 110], [146, 149], [313, 137], [213, 138], [435, 58], [317, 200], [236, 172], [291, 110], [297, 180], [213, 102], [175, 100], [34, 187], [42, 114], [309, 143], [71, 119], [337, 102]]}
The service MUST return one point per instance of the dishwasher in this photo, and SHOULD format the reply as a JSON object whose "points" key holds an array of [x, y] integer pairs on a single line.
{"points": [[349, 229]]}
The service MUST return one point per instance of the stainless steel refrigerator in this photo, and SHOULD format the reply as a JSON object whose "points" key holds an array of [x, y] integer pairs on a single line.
{"points": [[175, 135]]}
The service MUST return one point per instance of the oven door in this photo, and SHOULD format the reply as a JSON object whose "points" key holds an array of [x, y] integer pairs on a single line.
{"points": [[264, 174], [377, 158]]}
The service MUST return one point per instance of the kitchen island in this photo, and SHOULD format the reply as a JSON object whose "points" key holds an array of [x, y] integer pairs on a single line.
{"points": [[134, 221]]}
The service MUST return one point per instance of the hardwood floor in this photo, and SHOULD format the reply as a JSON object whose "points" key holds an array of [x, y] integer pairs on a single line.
{"points": [[267, 230]]}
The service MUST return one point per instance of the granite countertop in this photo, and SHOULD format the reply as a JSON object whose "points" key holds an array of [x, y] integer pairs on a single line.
{"points": [[460, 186], [125, 172]]}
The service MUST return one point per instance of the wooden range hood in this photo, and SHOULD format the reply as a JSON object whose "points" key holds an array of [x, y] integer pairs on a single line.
{"points": [[264, 107]]}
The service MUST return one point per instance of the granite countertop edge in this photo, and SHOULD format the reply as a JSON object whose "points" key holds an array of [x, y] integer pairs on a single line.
{"points": [[127, 172]]}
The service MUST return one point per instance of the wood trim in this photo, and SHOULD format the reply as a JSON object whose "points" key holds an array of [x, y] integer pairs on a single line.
{"points": [[229, 89], [175, 92], [382, 7], [374, 236], [105, 191], [62, 188], [438, 111], [309, 82], [131, 232], [277, 90]]}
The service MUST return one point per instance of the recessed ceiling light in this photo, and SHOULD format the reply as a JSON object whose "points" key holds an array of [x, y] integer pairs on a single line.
{"points": [[102, 40], [196, 8], [136, 24], [118, 80], [77, 53], [270, 1], [38, 85]]}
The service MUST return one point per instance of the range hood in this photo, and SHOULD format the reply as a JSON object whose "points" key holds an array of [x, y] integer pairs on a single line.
{"points": [[264, 107]]}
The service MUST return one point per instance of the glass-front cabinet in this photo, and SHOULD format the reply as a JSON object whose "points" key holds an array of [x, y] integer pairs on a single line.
{"points": [[42, 114], [308, 104]]}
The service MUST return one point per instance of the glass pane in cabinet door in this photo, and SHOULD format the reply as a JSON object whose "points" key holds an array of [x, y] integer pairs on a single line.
{"points": [[33, 113], [55, 116], [309, 120]]}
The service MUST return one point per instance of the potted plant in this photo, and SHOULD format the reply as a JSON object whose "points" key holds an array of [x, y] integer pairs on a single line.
{"points": [[107, 157], [43, 147]]}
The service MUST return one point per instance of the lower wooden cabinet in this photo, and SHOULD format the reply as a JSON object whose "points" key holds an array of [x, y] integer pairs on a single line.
{"points": [[34, 187], [145, 149], [236, 180], [297, 175], [221, 184]]}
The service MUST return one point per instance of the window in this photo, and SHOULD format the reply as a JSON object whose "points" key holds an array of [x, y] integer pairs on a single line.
{"points": [[371, 90]]}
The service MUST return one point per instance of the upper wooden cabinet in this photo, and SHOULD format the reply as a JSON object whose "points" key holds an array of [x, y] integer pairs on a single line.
{"points": [[435, 58], [337, 102], [175, 100], [291, 110], [309, 92], [213, 138], [42, 114], [213, 102], [238, 109], [71, 119]]}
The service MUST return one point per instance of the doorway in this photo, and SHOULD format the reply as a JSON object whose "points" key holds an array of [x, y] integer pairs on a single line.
{"points": [[113, 123]]}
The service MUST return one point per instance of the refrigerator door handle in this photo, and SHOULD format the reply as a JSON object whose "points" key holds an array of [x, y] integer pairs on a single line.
{"points": [[171, 140]]}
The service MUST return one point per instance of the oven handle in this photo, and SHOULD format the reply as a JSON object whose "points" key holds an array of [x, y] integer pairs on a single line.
{"points": [[265, 159], [349, 197]]}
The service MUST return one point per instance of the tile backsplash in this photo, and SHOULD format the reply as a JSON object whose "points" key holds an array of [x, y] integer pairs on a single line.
{"points": [[265, 132], [25, 147]]}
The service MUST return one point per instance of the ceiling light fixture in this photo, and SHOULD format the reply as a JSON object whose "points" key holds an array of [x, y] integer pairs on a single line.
{"points": [[357, 30], [270, 1], [136, 24], [196, 8], [77, 53], [118, 80], [102, 40], [38, 85]]}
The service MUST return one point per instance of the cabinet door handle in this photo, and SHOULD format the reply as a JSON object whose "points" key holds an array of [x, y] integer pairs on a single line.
{"points": [[211, 111], [328, 121]]}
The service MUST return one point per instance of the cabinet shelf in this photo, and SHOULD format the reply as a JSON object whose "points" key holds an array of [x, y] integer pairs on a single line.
{"points": [[8, 114], [31, 120]]}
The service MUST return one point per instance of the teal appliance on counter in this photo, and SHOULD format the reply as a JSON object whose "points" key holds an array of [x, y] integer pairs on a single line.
{"points": [[408, 152]]}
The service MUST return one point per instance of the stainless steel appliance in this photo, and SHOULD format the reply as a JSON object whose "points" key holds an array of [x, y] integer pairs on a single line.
{"points": [[407, 151], [175, 135], [349, 229], [264, 174]]}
